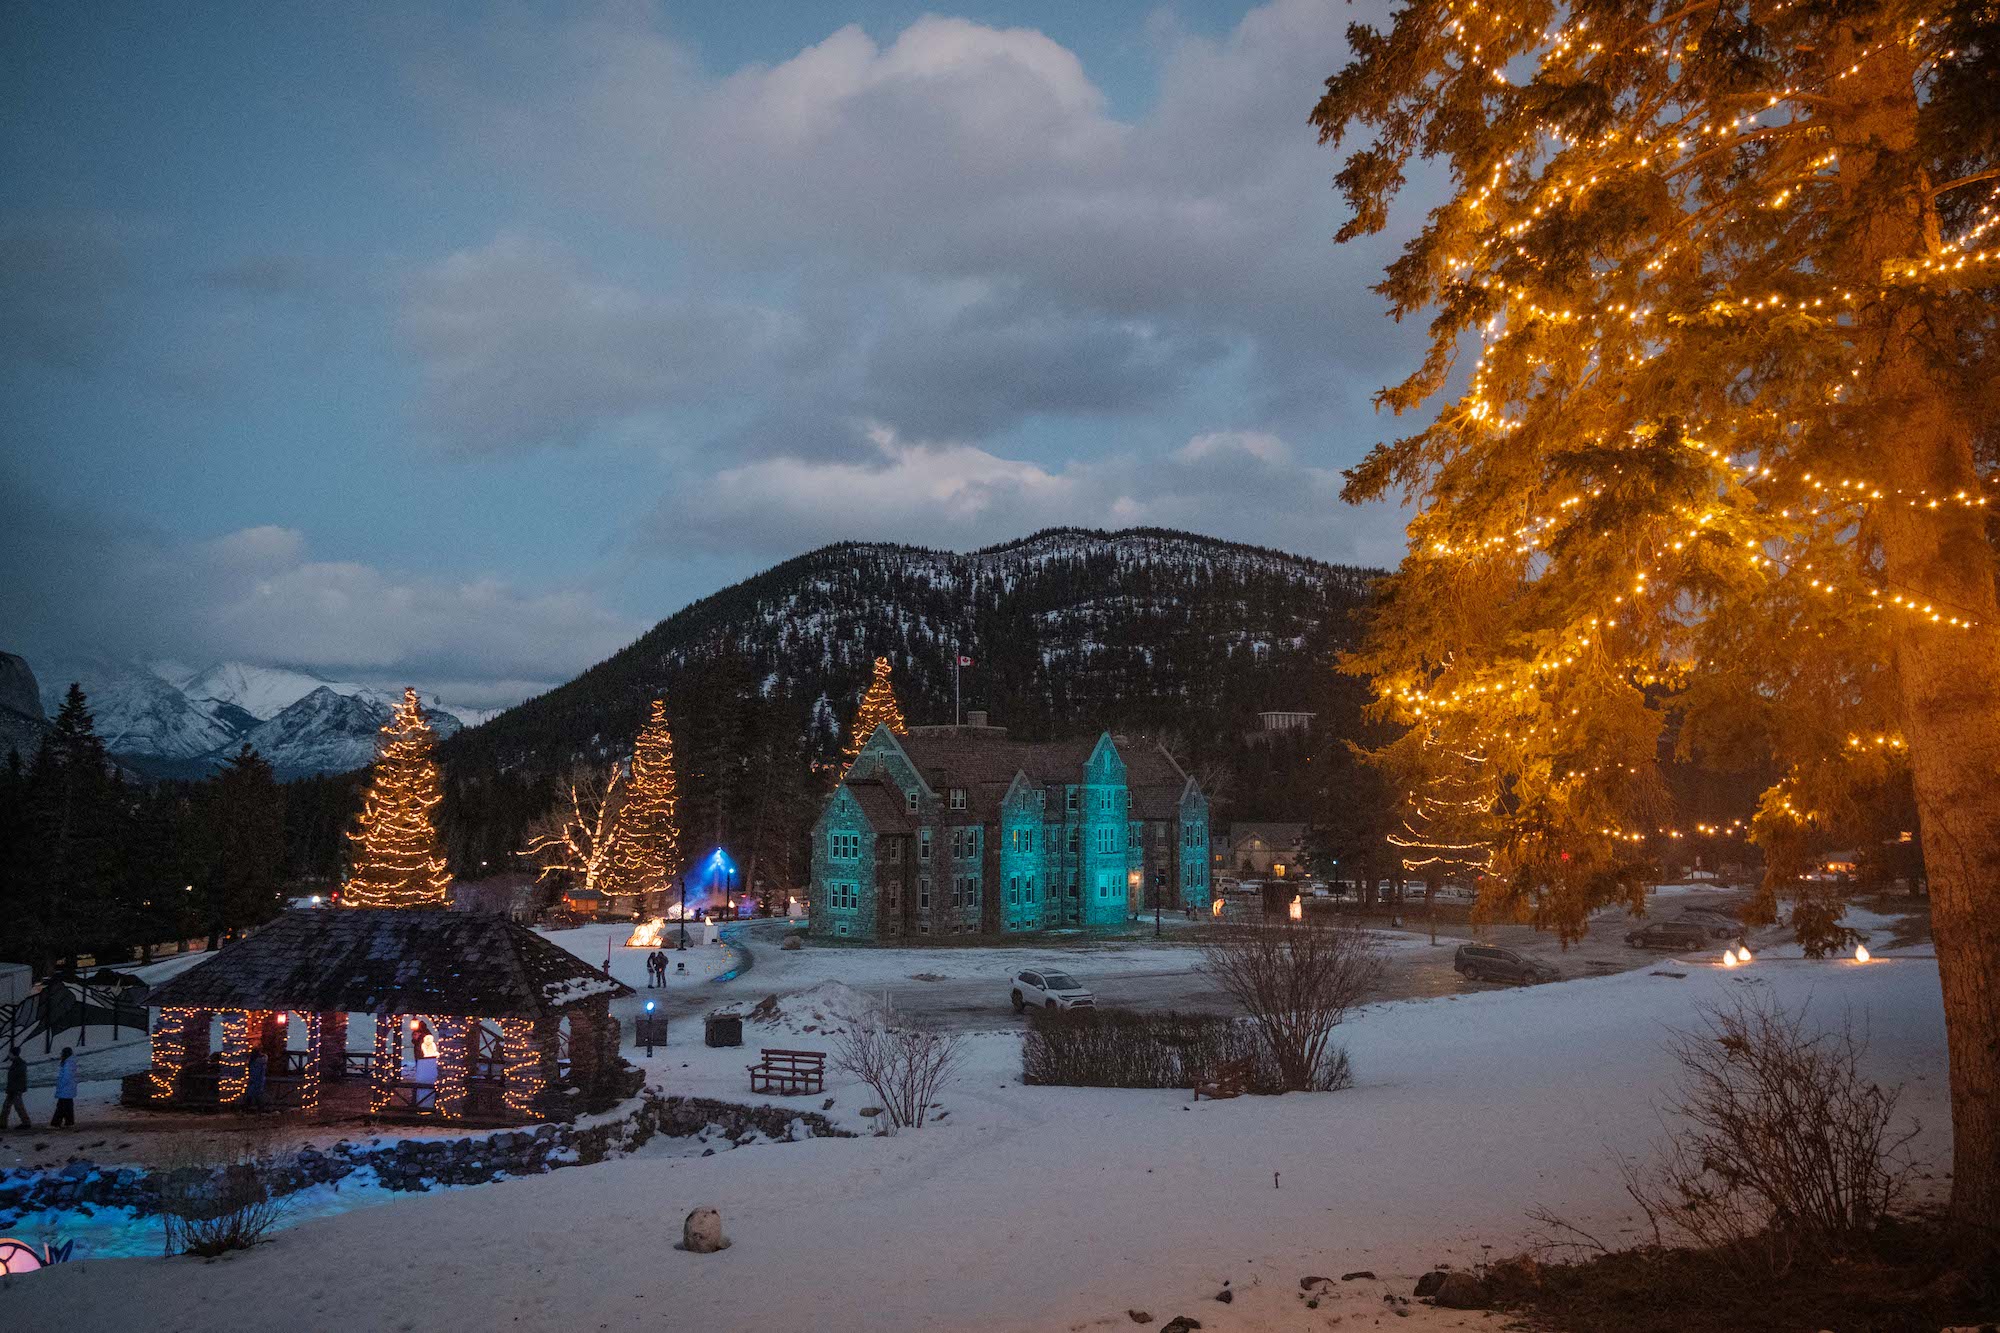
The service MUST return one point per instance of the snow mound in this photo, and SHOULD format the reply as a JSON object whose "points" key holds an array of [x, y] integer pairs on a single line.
{"points": [[831, 1006]]}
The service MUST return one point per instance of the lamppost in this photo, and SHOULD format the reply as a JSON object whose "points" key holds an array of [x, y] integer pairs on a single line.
{"points": [[684, 910]]}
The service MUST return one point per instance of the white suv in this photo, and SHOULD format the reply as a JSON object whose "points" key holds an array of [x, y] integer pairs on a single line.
{"points": [[1050, 988]]}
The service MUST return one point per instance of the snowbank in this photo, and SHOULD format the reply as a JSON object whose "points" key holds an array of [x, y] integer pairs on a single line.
{"points": [[1056, 1208]]}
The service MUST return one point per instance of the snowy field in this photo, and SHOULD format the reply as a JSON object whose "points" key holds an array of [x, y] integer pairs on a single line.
{"points": [[1045, 1208]]}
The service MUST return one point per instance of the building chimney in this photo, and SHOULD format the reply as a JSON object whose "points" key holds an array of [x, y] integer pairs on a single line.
{"points": [[975, 717]]}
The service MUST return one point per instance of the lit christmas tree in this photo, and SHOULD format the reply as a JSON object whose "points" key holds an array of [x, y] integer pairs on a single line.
{"points": [[646, 851], [397, 860], [878, 709], [1722, 462]]}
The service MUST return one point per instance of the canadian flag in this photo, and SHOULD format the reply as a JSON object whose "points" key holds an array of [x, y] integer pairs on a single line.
{"points": [[965, 661]]}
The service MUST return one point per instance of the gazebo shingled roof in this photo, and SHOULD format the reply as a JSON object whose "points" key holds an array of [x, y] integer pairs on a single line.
{"points": [[383, 960]]}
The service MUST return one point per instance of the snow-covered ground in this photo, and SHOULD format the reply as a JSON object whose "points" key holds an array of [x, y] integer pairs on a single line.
{"points": [[1047, 1208]]}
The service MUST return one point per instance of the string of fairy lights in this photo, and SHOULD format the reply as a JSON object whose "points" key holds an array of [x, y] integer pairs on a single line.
{"points": [[1681, 138], [525, 1079]]}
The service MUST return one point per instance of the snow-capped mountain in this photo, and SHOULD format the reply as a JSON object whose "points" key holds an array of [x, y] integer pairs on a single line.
{"points": [[137, 713], [177, 721], [330, 732]]}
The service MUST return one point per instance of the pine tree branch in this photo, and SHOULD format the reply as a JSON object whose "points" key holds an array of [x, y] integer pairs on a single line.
{"points": [[1992, 173]]}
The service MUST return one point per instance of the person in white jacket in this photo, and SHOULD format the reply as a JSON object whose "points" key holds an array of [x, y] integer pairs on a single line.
{"points": [[65, 1091]]}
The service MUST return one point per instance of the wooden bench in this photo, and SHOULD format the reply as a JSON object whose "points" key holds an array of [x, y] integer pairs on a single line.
{"points": [[788, 1073], [1229, 1081]]}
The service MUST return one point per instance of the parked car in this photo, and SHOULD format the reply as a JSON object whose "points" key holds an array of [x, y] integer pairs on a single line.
{"points": [[1719, 925], [1670, 935], [1048, 988], [1485, 962]]}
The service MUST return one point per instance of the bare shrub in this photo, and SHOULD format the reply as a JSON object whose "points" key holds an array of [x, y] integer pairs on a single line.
{"points": [[1779, 1147], [1119, 1048], [1297, 981], [209, 1208], [904, 1067]]}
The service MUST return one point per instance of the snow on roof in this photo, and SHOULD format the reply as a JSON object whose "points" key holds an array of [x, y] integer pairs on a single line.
{"points": [[382, 960]]}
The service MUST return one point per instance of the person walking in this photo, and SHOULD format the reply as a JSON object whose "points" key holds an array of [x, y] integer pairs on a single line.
{"points": [[65, 1116], [17, 1089], [253, 1092]]}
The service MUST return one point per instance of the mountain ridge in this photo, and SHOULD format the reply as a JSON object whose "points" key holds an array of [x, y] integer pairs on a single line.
{"points": [[1147, 628]]}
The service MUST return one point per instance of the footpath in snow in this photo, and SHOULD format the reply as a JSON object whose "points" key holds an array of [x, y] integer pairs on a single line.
{"points": [[1047, 1208]]}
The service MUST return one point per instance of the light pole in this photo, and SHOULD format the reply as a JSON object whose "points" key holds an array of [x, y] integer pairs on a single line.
{"points": [[684, 910]]}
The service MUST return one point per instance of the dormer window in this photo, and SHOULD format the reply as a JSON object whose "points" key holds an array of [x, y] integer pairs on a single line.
{"points": [[1070, 798], [910, 800], [958, 798]]}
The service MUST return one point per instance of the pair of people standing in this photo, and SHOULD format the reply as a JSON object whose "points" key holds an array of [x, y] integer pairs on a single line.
{"points": [[656, 969], [17, 1089]]}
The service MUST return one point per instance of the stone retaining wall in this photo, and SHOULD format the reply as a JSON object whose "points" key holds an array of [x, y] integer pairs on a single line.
{"points": [[418, 1164]]}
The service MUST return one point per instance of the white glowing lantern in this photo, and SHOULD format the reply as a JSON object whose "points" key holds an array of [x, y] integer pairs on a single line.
{"points": [[1861, 953], [1729, 958], [1298, 909], [1743, 954], [1215, 908]]}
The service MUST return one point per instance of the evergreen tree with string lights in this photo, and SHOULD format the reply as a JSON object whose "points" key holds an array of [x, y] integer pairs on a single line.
{"points": [[878, 709], [646, 854], [397, 860], [1716, 481]]}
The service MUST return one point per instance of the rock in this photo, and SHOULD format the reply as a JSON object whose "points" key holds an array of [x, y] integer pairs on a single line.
{"points": [[1309, 1283], [1226, 1296], [1428, 1284], [1180, 1324], [871, 1111], [701, 1233], [1459, 1291], [794, 941], [1357, 1275], [1139, 1316]]}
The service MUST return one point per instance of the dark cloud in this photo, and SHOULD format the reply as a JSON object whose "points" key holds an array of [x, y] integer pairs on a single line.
{"points": [[61, 278], [259, 594]]}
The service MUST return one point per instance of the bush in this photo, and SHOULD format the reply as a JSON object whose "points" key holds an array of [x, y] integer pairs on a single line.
{"points": [[1117, 1048], [209, 1208], [1780, 1147], [904, 1067], [1297, 980]]}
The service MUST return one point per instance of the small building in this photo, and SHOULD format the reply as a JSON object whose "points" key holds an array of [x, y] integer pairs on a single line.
{"points": [[962, 830], [1262, 849], [500, 1022]]}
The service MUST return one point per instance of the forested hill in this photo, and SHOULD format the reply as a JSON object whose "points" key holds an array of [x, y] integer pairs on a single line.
{"points": [[1068, 629]]}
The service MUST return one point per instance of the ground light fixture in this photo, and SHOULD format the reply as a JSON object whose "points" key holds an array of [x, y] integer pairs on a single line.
{"points": [[1861, 954]]}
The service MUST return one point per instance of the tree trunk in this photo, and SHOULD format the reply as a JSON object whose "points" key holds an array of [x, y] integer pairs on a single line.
{"points": [[1947, 678]]}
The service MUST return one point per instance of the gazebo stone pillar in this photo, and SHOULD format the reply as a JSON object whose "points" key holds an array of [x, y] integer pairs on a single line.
{"points": [[388, 1061], [454, 1065], [329, 1048], [589, 1025], [270, 1029]]}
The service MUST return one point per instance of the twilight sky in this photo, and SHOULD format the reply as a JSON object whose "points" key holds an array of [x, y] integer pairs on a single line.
{"points": [[459, 347]]}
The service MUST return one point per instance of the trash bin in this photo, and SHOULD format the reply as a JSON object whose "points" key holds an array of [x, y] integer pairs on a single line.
{"points": [[723, 1030], [650, 1030]]}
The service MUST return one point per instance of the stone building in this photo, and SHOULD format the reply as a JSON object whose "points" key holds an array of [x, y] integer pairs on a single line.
{"points": [[960, 830]]}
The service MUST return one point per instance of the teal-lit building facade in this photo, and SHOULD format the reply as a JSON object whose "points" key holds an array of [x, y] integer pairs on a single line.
{"points": [[960, 830]]}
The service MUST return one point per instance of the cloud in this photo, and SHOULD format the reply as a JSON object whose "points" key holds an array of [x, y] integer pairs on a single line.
{"points": [[965, 234], [1242, 485], [520, 347], [61, 278], [260, 595]]}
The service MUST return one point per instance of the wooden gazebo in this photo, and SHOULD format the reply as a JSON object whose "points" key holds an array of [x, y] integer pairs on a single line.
{"points": [[490, 993]]}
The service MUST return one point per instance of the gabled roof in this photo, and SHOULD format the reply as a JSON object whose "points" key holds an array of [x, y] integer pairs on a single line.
{"points": [[1272, 835], [381, 960], [1156, 782], [882, 804]]}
